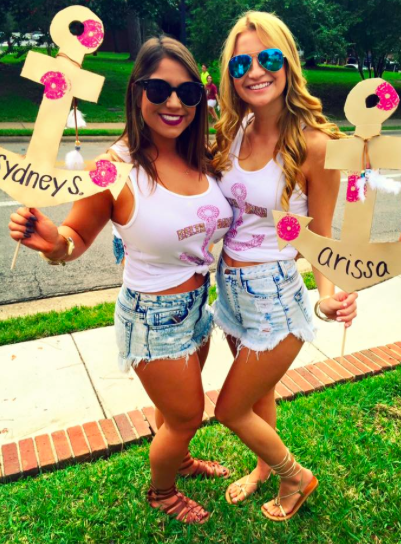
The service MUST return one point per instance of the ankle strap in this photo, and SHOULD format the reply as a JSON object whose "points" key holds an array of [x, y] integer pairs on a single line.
{"points": [[162, 494], [281, 465], [291, 469]]}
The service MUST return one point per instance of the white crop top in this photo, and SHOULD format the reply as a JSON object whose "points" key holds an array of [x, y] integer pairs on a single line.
{"points": [[253, 196], [167, 239]]}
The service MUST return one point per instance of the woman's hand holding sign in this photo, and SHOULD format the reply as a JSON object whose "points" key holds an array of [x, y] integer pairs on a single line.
{"points": [[339, 307], [34, 229]]}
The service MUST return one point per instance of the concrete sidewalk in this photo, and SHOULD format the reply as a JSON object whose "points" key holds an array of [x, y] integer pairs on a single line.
{"points": [[58, 382]]}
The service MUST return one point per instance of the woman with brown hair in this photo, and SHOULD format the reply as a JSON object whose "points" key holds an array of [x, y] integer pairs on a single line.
{"points": [[167, 214], [270, 147]]}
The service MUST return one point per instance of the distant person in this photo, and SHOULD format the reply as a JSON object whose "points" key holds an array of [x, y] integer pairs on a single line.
{"points": [[212, 97], [204, 74]]}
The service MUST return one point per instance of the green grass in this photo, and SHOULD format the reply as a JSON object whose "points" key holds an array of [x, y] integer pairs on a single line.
{"points": [[350, 436], [309, 280], [20, 98], [78, 318], [13, 132]]}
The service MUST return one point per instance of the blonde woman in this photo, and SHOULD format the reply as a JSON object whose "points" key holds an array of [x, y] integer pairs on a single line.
{"points": [[270, 148]]}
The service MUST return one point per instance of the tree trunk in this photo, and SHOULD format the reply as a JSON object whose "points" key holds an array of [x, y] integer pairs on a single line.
{"points": [[310, 62], [134, 33]]}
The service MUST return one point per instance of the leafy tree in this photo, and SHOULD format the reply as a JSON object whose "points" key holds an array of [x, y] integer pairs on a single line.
{"points": [[374, 32], [318, 25], [209, 22]]}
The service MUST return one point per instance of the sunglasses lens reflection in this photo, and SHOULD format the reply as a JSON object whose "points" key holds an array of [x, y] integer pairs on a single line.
{"points": [[271, 59], [239, 65]]}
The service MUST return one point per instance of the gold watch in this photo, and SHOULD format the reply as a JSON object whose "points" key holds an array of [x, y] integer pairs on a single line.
{"points": [[70, 248]]}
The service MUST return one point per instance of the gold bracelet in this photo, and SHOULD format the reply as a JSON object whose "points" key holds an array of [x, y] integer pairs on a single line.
{"points": [[70, 248], [317, 309]]}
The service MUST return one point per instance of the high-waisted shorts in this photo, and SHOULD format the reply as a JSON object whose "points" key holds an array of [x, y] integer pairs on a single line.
{"points": [[261, 305], [151, 327]]}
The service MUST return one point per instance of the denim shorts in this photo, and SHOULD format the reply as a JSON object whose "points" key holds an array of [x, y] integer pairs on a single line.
{"points": [[151, 327], [261, 305]]}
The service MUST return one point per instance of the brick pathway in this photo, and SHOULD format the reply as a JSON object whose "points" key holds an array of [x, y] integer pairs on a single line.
{"points": [[95, 439]]}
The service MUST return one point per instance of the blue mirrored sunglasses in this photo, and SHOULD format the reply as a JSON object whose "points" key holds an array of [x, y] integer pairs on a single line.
{"points": [[271, 60]]}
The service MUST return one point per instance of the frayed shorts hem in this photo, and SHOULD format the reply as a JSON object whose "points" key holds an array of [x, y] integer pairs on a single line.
{"points": [[125, 363], [242, 341]]}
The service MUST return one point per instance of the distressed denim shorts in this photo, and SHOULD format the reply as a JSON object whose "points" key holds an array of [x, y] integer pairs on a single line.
{"points": [[261, 305], [151, 327]]}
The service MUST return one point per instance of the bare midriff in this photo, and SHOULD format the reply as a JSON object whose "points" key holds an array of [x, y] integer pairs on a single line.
{"points": [[233, 263], [196, 281]]}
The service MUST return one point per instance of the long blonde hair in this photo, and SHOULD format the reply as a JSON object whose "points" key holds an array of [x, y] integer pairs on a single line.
{"points": [[302, 109]]}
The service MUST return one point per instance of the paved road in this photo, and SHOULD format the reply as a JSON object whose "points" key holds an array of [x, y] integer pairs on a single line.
{"points": [[33, 278]]}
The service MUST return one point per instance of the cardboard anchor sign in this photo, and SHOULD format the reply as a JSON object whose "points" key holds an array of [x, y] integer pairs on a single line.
{"points": [[34, 180], [353, 262]]}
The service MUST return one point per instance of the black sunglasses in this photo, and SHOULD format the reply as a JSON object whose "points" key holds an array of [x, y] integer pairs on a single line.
{"points": [[158, 91], [271, 60]]}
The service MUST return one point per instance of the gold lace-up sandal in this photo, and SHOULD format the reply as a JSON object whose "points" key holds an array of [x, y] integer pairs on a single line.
{"points": [[288, 469], [192, 467], [183, 508], [243, 489]]}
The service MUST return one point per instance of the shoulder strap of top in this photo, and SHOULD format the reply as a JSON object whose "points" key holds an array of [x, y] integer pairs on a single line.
{"points": [[120, 151], [236, 145]]}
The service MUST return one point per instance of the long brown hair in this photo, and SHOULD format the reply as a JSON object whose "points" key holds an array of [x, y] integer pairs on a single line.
{"points": [[192, 142], [301, 108]]}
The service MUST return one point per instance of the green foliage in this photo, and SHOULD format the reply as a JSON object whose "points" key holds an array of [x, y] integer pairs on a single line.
{"points": [[309, 280], [374, 29], [209, 22], [318, 25]]}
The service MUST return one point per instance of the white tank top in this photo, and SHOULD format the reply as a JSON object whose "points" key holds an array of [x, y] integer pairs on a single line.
{"points": [[167, 239], [253, 196]]}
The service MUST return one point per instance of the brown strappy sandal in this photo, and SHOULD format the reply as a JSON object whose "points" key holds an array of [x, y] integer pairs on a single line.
{"points": [[183, 508], [205, 469], [286, 472]]}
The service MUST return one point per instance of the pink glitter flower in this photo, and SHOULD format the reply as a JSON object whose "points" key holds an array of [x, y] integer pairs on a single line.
{"points": [[389, 98], [56, 85], [288, 228], [105, 173], [93, 34]]}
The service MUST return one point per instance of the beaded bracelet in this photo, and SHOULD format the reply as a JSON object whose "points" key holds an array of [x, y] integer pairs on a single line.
{"points": [[317, 309]]}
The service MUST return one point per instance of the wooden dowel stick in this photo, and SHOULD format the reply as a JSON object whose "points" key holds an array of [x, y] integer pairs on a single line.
{"points": [[343, 345], [15, 255]]}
